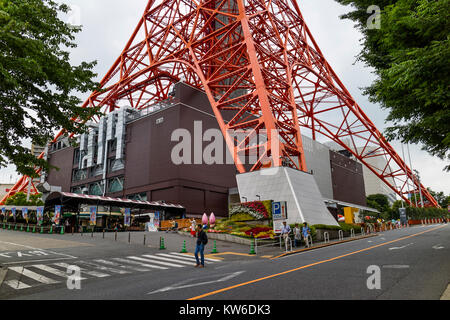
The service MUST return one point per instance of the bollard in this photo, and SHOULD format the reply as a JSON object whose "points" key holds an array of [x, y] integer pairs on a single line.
{"points": [[352, 233], [115, 235], [161, 244], [183, 249], [51, 230], [42, 229], [252, 248], [129, 237], [28, 228], [341, 235], [103, 233], [144, 239], [62, 230], [326, 237], [34, 229], [214, 250]]}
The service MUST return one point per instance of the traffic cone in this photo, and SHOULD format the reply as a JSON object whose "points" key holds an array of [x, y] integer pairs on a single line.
{"points": [[252, 248], [42, 229], [183, 250], [21, 227], [28, 228], [51, 230], [9, 227], [161, 244], [34, 229], [62, 230], [214, 250]]}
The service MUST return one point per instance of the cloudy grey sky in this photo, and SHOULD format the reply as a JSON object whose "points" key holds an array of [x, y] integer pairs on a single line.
{"points": [[108, 24]]}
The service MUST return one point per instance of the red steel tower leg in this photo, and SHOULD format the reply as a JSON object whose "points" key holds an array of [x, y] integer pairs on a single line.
{"points": [[263, 74]]}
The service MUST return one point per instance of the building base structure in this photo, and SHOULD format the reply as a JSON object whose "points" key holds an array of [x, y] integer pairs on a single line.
{"points": [[299, 189]]}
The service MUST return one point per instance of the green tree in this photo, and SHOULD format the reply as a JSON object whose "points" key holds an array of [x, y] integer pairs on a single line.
{"points": [[20, 199], [409, 53], [379, 202], [37, 81]]}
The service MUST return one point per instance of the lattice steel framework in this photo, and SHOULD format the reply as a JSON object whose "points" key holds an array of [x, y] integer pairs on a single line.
{"points": [[262, 71]]}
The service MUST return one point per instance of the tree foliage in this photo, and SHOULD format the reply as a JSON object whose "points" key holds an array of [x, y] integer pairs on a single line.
{"points": [[410, 54], [37, 81], [20, 199]]}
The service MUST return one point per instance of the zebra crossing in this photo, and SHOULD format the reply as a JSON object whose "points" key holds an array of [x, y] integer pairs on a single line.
{"points": [[33, 275]]}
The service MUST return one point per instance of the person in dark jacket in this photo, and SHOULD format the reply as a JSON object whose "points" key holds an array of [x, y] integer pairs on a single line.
{"points": [[202, 239]]}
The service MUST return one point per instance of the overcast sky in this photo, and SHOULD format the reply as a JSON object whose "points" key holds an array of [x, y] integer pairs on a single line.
{"points": [[108, 24]]}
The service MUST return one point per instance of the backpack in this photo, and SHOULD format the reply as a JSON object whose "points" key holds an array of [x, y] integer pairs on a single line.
{"points": [[205, 239]]}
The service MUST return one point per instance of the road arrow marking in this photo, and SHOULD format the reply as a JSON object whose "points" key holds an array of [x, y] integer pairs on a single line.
{"points": [[180, 286], [437, 247], [397, 248]]}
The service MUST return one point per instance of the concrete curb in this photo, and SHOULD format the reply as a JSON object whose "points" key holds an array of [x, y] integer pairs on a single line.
{"points": [[323, 245]]}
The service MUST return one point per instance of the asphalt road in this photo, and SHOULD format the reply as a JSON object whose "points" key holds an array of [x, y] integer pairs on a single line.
{"points": [[411, 263]]}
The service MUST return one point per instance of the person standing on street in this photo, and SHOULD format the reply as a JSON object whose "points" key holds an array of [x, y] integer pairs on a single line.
{"points": [[306, 232], [297, 236], [285, 233], [202, 240]]}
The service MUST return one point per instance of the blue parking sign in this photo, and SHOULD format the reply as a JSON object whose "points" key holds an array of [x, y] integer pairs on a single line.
{"points": [[279, 210]]}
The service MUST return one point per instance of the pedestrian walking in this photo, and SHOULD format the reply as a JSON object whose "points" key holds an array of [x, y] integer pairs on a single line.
{"points": [[306, 232], [297, 236], [202, 240], [193, 226], [285, 233]]}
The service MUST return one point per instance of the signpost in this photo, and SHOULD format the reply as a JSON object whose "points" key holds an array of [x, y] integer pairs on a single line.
{"points": [[403, 218], [279, 215]]}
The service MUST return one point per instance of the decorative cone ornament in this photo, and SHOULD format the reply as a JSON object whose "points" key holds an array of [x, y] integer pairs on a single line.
{"points": [[204, 219], [212, 220]]}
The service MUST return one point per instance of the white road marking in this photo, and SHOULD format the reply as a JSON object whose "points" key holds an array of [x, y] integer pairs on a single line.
{"points": [[100, 267], [184, 255], [396, 266], [52, 270], [196, 284], [115, 264], [16, 284], [156, 261], [140, 264], [397, 248], [84, 270], [437, 247], [33, 275]]}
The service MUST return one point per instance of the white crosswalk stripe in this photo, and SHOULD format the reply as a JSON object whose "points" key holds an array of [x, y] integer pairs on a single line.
{"points": [[187, 256], [16, 284], [115, 264], [53, 270], [84, 270], [100, 267], [25, 277], [156, 261], [140, 264], [33, 275]]}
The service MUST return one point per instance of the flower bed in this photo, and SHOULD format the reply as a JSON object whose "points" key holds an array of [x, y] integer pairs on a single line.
{"points": [[256, 210]]}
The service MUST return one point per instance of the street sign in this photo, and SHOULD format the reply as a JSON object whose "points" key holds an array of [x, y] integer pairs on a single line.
{"points": [[402, 212], [279, 210]]}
